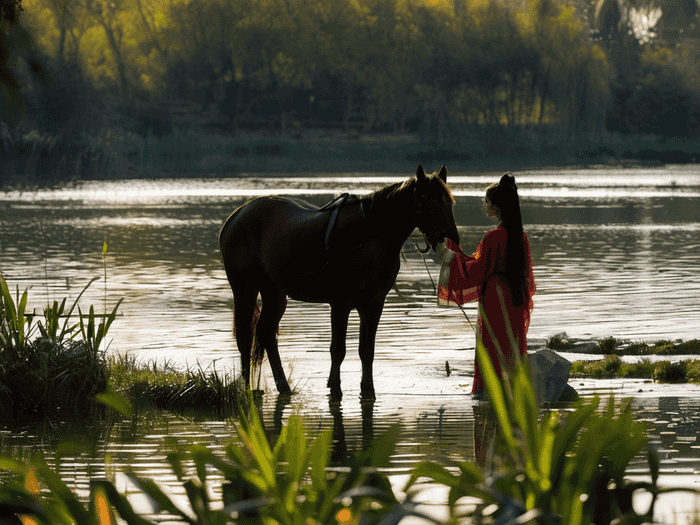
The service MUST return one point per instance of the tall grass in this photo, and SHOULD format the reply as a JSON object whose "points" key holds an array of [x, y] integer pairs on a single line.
{"points": [[162, 387], [45, 368]]}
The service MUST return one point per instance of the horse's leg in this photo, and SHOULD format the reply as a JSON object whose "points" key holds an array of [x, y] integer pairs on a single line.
{"points": [[274, 303], [369, 321], [244, 298], [339, 330]]}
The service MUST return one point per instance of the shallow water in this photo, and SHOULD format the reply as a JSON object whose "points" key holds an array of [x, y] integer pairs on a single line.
{"points": [[614, 252]]}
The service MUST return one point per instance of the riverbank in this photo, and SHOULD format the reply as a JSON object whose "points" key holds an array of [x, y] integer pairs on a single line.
{"points": [[42, 159], [324, 151]]}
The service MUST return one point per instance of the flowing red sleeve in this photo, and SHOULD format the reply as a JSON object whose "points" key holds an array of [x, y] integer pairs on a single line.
{"points": [[462, 276]]}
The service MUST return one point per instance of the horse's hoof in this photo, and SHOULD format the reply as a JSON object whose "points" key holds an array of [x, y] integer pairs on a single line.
{"points": [[368, 396]]}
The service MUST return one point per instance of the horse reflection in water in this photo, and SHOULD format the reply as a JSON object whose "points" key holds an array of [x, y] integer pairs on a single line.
{"points": [[346, 254]]}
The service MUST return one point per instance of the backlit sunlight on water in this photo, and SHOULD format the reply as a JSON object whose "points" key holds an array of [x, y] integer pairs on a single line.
{"points": [[615, 253]]}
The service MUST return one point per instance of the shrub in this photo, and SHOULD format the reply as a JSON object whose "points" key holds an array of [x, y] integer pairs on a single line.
{"points": [[608, 345], [667, 372], [644, 369]]}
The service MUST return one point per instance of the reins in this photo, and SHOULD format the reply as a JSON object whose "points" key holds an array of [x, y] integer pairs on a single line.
{"points": [[435, 291]]}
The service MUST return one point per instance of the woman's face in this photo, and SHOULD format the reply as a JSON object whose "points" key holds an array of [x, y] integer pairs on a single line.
{"points": [[489, 208]]}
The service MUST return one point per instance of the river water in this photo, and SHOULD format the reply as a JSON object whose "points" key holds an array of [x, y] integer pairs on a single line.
{"points": [[615, 253]]}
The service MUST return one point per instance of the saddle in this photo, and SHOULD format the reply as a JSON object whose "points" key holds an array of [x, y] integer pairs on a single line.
{"points": [[335, 205]]}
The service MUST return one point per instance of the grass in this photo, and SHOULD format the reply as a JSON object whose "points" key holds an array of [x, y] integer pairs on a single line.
{"points": [[45, 368], [162, 387], [611, 366], [610, 345], [56, 366]]}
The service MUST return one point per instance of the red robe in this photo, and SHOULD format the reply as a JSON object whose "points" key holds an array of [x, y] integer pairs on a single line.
{"points": [[465, 278]]}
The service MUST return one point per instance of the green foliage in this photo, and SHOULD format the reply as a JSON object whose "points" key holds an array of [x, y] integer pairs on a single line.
{"points": [[292, 482], [51, 329], [558, 343], [559, 468], [661, 371], [671, 372], [16, 325], [94, 335], [162, 387], [288, 483], [608, 345], [53, 372]]}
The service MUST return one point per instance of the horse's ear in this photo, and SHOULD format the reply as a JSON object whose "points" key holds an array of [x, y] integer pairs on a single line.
{"points": [[443, 174], [420, 173]]}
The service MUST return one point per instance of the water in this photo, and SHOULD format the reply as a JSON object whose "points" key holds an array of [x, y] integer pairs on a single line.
{"points": [[614, 253]]}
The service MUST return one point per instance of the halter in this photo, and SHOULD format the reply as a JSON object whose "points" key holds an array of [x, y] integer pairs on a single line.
{"points": [[431, 227]]}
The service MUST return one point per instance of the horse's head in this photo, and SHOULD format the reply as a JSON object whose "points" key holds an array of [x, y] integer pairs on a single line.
{"points": [[433, 207]]}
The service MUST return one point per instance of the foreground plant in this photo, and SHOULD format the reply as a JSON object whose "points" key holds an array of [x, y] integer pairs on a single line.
{"points": [[289, 482], [558, 468]]}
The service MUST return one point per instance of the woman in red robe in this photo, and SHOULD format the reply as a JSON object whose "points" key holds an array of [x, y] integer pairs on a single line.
{"points": [[498, 275]]}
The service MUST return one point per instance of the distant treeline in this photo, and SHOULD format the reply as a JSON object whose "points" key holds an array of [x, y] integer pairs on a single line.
{"points": [[388, 64], [451, 70], [379, 64]]}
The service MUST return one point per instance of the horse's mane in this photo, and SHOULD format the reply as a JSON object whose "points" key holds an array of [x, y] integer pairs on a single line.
{"points": [[392, 190]]}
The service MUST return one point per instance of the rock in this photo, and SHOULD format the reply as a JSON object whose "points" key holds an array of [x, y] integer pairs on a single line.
{"points": [[550, 375]]}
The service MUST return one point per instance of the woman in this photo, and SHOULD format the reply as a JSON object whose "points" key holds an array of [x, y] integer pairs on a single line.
{"points": [[498, 275]]}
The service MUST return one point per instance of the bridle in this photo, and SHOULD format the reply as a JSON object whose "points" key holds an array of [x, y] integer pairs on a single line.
{"points": [[427, 223]]}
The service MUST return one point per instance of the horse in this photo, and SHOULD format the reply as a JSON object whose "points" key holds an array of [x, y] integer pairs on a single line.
{"points": [[346, 255]]}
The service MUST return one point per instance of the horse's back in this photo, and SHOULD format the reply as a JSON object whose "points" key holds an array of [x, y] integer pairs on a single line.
{"points": [[268, 227]]}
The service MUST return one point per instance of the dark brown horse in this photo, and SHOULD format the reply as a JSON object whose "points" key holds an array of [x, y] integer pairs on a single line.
{"points": [[345, 256]]}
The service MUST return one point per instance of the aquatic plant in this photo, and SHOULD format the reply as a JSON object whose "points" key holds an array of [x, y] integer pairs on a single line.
{"points": [[661, 371], [53, 372], [557, 468], [15, 324], [608, 345], [286, 483], [163, 387], [558, 342]]}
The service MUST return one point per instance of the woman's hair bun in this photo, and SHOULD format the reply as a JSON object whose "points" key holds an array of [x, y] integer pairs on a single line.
{"points": [[508, 180]]}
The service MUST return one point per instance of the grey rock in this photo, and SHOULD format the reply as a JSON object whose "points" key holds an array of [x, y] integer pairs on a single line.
{"points": [[550, 376]]}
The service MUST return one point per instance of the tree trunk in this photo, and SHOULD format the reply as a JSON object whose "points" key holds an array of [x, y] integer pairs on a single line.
{"points": [[121, 67]]}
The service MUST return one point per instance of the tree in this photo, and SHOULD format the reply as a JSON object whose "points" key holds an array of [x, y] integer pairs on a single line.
{"points": [[106, 13]]}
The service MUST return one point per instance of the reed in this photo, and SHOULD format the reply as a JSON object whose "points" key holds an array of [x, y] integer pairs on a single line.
{"points": [[45, 369], [165, 388]]}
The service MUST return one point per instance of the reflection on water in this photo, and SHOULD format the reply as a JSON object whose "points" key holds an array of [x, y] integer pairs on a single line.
{"points": [[615, 253], [436, 430]]}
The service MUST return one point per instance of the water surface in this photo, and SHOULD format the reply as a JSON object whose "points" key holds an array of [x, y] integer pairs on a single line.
{"points": [[614, 253]]}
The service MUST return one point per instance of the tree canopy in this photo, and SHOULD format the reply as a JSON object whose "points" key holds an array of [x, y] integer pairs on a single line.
{"points": [[437, 65]]}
